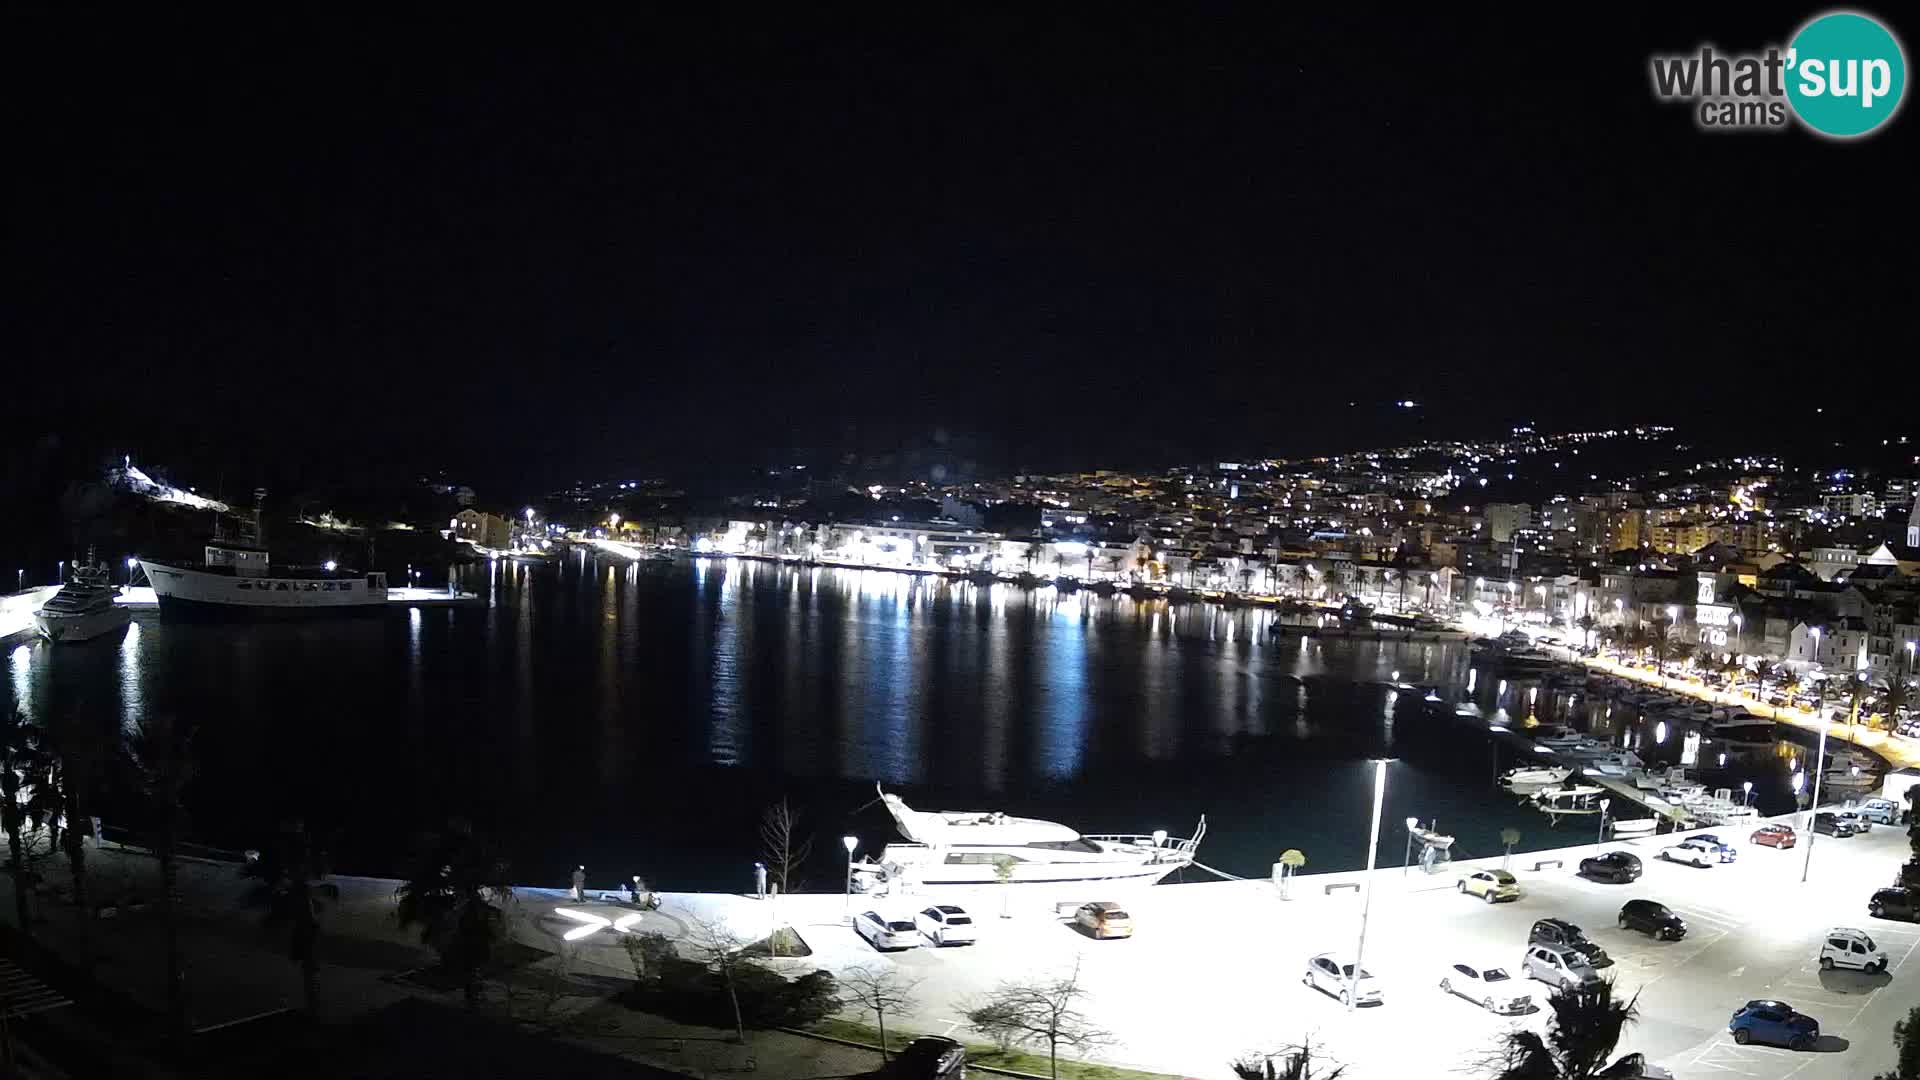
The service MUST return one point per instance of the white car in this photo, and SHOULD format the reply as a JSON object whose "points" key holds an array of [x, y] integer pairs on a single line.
{"points": [[1880, 811], [882, 932], [1493, 988], [1331, 975], [1693, 853], [1847, 948], [945, 924]]}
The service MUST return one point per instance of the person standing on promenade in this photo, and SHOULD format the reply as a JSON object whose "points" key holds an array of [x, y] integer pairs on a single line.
{"points": [[579, 882]]}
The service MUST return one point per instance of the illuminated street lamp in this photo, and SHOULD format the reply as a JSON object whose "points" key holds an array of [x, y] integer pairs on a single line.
{"points": [[1412, 824], [1746, 789], [846, 904], [1373, 849], [1602, 838]]}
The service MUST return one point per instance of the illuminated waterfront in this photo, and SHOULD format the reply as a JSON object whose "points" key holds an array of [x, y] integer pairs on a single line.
{"points": [[637, 716]]}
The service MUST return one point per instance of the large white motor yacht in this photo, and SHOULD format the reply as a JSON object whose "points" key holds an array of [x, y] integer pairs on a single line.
{"points": [[83, 608], [963, 847]]}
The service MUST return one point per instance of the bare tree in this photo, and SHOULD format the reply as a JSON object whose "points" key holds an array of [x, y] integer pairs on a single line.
{"points": [[1286, 1063], [880, 990], [714, 944], [784, 845], [1040, 1011]]}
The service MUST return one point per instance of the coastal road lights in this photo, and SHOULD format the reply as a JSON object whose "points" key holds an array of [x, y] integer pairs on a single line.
{"points": [[846, 903], [1746, 793], [1373, 850], [1604, 804], [1412, 824]]}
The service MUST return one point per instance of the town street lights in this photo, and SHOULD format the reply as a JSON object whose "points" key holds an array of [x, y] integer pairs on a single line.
{"points": [[1412, 824], [1813, 807], [1602, 838], [1373, 849], [1746, 793], [846, 904]]}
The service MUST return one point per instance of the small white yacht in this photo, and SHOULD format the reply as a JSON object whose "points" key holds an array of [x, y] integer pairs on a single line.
{"points": [[963, 847], [1606, 761], [1525, 781], [84, 607], [1561, 799]]}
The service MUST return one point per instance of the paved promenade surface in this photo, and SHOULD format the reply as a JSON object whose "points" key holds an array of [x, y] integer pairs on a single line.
{"points": [[1213, 970], [1216, 968]]}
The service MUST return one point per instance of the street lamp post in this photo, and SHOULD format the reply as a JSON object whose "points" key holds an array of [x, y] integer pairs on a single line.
{"points": [[1366, 905], [846, 904], [1746, 793], [1412, 824], [1813, 807], [1602, 838]]}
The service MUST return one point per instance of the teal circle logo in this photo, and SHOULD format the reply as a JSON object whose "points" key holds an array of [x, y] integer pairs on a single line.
{"points": [[1845, 74]]}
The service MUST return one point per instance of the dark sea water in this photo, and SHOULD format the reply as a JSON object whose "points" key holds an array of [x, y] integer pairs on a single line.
{"points": [[638, 717]]}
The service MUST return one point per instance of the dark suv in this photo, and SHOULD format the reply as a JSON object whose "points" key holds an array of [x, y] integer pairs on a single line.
{"points": [[1895, 904], [928, 1057], [1618, 867], [1652, 918], [1832, 825], [1568, 936]]}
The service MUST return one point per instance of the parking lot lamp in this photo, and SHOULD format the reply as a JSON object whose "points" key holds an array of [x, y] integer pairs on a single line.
{"points": [[1604, 803], [1746, 789], [846, 904], [1373, 850], [1412, 824], [1819, 765]]}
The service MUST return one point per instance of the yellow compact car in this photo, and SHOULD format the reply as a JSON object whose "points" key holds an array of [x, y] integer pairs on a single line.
{"points": [[1492, 886]]}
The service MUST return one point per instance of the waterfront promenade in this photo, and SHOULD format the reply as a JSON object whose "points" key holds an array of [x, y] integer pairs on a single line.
{"points": [[1899, 752], [1213, 971]]}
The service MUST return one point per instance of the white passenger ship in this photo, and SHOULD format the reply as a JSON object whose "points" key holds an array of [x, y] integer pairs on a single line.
{"points": [[954, 847], [237, 580]]}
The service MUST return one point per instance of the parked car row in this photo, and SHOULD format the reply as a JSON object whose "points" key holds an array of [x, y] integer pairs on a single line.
{"points": [[939, 925]]}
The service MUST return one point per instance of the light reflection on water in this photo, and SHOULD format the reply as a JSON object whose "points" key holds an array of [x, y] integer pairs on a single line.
{"points": [[643, 713]]}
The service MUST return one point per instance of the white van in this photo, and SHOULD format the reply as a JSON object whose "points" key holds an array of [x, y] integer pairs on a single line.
{"points": [[1845, 948]]}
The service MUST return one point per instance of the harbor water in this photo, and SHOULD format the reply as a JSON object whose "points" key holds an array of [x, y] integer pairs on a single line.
{"points": [[639, 717]]}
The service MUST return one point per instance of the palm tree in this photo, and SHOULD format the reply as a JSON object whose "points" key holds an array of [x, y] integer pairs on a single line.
{"points": [[159, 747], [290, 887], [1586, 623], [1660, 638], [1296, 1063], [454, 893], [1762, 671], [71, 750], [1398, 577], [16, 757], [1581, 1035]]}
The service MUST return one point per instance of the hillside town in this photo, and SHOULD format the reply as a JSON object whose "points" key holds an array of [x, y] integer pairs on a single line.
{"points": [[1748, 558]]}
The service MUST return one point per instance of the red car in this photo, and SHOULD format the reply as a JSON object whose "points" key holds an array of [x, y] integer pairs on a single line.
{"points": [[1774, 836]]}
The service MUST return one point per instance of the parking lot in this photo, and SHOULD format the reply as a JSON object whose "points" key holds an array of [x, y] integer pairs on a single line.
{"points": [[1215, 969]]}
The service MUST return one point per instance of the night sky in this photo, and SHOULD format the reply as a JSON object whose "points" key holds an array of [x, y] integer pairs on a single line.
{"points": [[533, 251]]}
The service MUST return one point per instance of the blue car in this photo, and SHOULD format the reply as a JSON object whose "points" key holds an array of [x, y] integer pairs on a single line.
{"points": [[1726, 851], [1774, 1022]]}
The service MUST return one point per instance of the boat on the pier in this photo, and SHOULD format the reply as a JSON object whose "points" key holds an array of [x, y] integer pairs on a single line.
{"points": [[966, 847], [236, 580], [1633, 826], [84, 608]]}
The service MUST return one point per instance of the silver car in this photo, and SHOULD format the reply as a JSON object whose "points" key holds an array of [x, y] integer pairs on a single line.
{"points": [[1558, 967]]}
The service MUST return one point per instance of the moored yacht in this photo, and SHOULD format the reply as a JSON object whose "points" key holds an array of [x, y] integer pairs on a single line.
{"points": [[84, 607], [964, 847]]}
